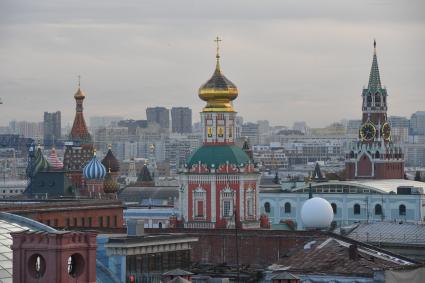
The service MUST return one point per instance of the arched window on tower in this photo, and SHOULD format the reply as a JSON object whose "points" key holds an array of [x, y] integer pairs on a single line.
{"points": [[402, 210], [378, 209], [369, 100], [287, 207], [377, 100], [334, 207], [356, 208], [377, 155], [267, 207]]}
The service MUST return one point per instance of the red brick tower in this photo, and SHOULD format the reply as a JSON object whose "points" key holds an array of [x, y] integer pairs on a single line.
{"points": [[79, 148], [220, 180], [61, 257], [374, 155]]}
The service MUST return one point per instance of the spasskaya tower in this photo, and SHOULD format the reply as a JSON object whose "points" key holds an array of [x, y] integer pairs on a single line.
{"points": [[374, 155]]}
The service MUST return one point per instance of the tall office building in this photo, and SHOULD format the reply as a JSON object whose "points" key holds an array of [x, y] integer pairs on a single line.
{"points": [[181, 120], [160, 115], [52, 127]]}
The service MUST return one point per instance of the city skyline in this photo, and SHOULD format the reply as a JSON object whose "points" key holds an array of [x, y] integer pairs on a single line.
{"points": [[148, 58]]}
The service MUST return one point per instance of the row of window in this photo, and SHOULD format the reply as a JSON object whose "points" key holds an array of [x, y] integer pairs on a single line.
{"points": [[356, 208], [103, 221], [14, 191]]}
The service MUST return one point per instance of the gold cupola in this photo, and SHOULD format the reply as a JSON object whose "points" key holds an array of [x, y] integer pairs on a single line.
{"points": [[79, 94], [218, 91]]}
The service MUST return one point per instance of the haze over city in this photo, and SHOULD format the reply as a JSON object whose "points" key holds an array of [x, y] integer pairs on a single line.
{"points": [[291, 60]]}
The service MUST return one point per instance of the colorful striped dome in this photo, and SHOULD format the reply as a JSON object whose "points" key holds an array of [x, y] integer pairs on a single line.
{"points": [[94, 169], [54, 160], [40, 163]]}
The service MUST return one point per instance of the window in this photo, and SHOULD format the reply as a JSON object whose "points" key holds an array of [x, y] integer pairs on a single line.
{"points": [[334, 207], [160, 225], [226, 208], [402, 210], [267, 207], [100, 220], [55, 221], [68, 222], [357, 208], [378, 209], [108, 221], [83, 222], [250, 202], [115, 221], [90, 221], [199, 202], [287, 207], [75, 222], [226, 200]]}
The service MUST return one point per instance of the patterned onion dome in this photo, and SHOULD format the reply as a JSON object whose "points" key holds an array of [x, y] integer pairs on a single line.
{"points": [[40, 163], [110, 161], [94, 169], [110, 186], [54, 160], [218, 91]]}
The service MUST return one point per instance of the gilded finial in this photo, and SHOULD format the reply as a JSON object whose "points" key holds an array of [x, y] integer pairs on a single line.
{"points": [[217, 40], [94, 152], [109, 146], [79, 81], [374, 46]]}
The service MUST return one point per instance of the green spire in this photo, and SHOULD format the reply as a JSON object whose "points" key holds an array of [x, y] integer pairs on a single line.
{"points": [[374, 77]]}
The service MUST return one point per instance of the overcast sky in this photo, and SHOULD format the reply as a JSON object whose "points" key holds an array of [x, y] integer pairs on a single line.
{"points": [[291, 60]]}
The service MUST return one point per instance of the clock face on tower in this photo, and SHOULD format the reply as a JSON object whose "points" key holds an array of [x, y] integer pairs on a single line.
{"points": [[386, 131], [367, 131]]}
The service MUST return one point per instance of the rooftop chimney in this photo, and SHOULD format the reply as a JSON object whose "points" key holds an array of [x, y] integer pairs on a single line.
{"points": [[353, 253]]}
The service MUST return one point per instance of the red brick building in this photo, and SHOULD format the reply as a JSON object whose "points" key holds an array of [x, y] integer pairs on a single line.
{"points": [[72, 214], [374, 155]]}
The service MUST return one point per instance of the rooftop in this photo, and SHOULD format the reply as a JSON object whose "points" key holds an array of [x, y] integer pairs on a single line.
{"points": [[13, 223]]}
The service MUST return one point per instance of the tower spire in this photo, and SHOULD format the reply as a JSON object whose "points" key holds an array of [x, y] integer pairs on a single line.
{"points": [[374, 77]]}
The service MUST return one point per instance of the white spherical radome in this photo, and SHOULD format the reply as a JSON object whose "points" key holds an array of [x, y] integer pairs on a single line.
{"points": [[317, 213]]}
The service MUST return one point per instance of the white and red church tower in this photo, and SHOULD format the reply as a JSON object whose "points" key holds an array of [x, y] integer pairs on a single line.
{"points": [[220, 181], [374, 155]]}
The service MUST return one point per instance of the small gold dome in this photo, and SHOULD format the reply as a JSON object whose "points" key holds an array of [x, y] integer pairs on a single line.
{"points": [[218, 92], [79, 94]]}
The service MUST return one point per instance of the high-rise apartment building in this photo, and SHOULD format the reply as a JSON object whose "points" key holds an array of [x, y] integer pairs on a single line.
{"points": [[160, 115], [417, 123], [181, 120], [52, 127]]}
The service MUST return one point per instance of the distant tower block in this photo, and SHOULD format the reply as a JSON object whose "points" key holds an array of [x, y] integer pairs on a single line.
{"points": [[61, 257], [132, 168]]}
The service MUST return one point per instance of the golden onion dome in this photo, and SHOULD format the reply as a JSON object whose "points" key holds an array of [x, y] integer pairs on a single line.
{"points": [[79, 94], [218, 91]]}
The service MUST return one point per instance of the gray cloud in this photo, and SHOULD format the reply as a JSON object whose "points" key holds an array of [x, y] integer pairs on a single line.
{"points": [[292, 60]]}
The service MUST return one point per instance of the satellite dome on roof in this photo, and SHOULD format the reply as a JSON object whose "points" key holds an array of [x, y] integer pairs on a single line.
{"points": [[94, 169], [110, 161], [317, 213]]}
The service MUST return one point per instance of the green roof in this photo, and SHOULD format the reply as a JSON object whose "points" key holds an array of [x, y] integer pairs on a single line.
{"points": [[216, 155]]}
